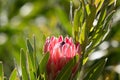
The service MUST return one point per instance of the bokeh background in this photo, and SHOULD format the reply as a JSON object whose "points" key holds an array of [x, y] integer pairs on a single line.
{"points": [[21, 19]]}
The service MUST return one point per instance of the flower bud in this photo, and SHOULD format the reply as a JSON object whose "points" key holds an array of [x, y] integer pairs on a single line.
{"points": [[61, 51]]}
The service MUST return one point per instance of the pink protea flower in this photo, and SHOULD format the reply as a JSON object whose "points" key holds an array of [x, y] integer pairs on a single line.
{"points": [[61, 51]]}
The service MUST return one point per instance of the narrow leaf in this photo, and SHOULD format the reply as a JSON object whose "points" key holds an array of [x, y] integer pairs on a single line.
{"points": [[34, 55], [97, 2], [95, 41], [13, 75], [88, 9], [29, 46], [91, 17], [1, 71], [102, 17], [31, 68], [100, 5], [83, 35], [95, 70], [107, 19], [43, 63], [112, 1], [23, 65], [76, 24], [98, 70], [31, 55]]}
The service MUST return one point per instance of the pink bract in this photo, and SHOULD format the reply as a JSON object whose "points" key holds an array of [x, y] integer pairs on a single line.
{"points": [[61, 51]]}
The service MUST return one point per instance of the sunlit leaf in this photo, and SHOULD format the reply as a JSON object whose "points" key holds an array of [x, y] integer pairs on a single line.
{"points": [[76, 24], [83, 2], [99, 23], [102, 17], [88, 9], [91, 17], [100, 5], [85, 60], [97, 2], [111, 2], [14, 75], [83, 36]]}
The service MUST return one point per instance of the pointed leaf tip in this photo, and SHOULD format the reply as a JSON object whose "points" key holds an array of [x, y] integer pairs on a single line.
{"points": [[29, 46]]}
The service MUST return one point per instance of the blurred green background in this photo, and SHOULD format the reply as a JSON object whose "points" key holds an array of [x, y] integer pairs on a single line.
{"points": [[20, 19]]}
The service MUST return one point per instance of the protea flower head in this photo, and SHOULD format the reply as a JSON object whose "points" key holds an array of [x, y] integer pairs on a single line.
{"points": [[61, 51]]}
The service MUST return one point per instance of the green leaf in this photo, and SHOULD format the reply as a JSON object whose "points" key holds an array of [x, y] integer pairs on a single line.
{"points": [[99, 23], [1, 71], [95, 70], [76, 24], [13, 75], [98, 38], [30, 67], [29, 46], [84, 6], [83, 35], [100, 4], [111, 2], [85, 60], [91, 17], [23, 65], [101, 18], [107, 19], [34, 55], [101, 32], [88, 9], [97, 2], [67, 69], [42, 67], [31, 57], [43, 63]]}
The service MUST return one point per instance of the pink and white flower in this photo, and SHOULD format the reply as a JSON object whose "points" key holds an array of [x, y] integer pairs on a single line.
{"points": [[61, 51]]}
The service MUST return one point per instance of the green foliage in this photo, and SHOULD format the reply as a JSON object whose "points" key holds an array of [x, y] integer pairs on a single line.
{"points": [[91, 35], [23, 65], [50, 18], [30, 48], [28, 70], [76, 24], [14, 75], [1, 71], [95, 70], [31, 68], [42, 66]]}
